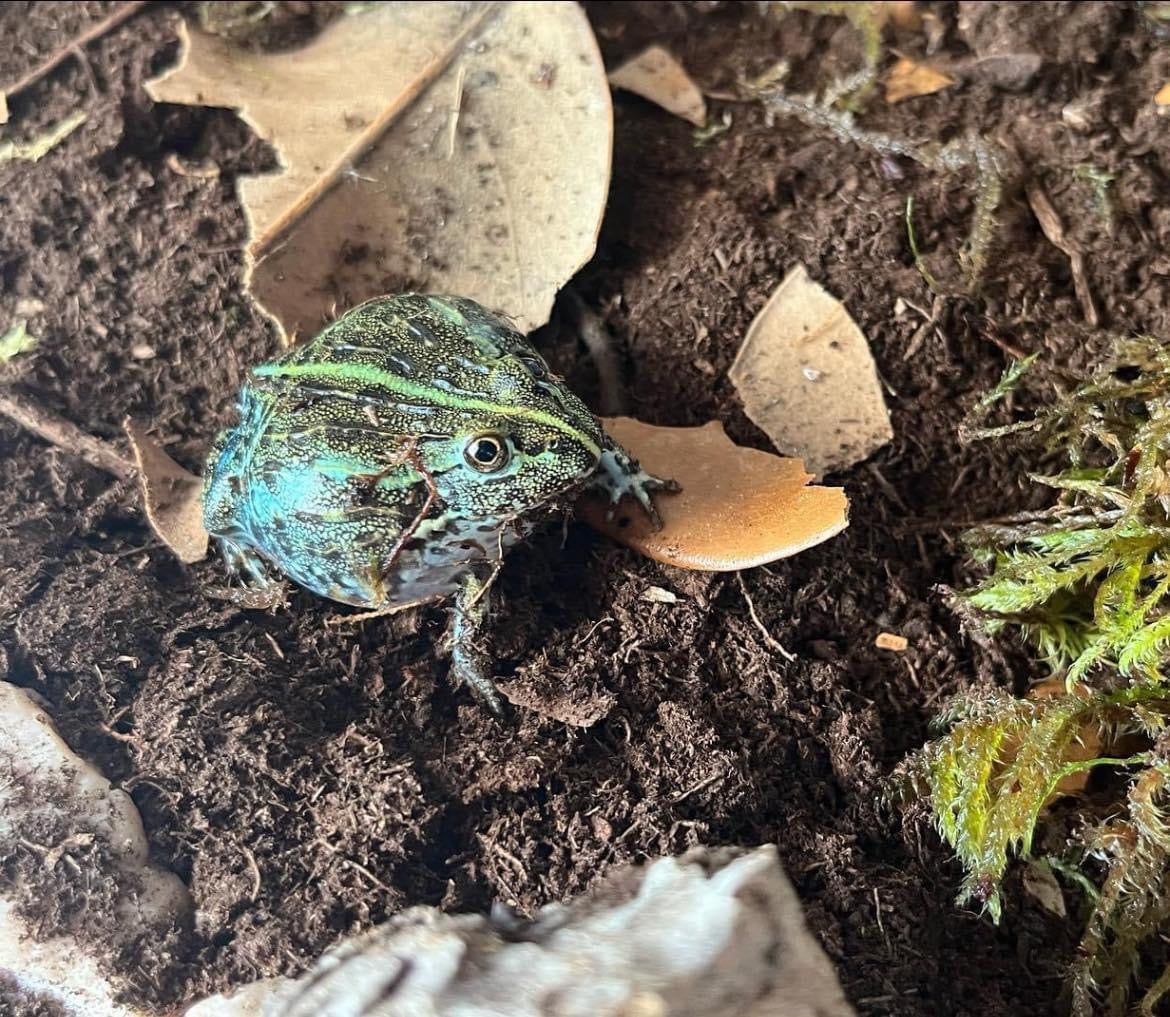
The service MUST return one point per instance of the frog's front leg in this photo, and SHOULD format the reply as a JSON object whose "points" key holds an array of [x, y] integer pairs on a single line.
{"points": [[260, 589], [471, 663], [621, 474]]}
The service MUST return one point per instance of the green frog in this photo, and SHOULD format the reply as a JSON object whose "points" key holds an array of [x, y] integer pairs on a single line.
{"points": [[392, 461]]}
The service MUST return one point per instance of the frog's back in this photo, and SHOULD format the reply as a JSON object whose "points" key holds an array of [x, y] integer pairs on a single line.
{"points": [[323, 474]]}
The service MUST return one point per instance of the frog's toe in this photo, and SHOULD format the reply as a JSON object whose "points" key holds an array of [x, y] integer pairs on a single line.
{"points": [[468, 668], [642, 486], [260, 588], [255, 598]]}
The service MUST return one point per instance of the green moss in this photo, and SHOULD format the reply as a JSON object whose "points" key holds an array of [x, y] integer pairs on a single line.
{"points": [[1087, 583]]}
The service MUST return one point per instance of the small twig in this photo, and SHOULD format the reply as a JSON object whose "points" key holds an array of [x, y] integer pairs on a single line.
{"points": [[455, 111], [73, 46], [1053, 229], [255, 870], [705, 782], [354, 865], [770, 640], [65, 436]]}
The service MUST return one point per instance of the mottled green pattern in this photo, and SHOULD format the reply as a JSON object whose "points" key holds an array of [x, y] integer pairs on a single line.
{"points": [[350, 473]]}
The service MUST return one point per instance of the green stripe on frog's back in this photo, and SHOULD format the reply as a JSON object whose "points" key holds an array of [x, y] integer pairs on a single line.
{"points": [[418, 394]]}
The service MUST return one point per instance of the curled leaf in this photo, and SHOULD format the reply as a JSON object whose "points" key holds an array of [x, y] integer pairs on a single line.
{"points": [[738, 507], [173, 497]]}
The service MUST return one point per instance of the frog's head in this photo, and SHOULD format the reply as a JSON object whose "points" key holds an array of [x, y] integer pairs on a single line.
{"points": [[527, 440]]}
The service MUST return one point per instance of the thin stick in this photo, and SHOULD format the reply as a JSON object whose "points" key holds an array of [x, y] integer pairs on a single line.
{"points": [[73, 47], [65, 436], [1053, 229], [772, 642]]}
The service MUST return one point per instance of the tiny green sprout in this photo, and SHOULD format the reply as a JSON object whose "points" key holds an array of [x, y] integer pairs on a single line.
{"points": [[16, 340], [703, 135], [919, 260], [1101, 183]]}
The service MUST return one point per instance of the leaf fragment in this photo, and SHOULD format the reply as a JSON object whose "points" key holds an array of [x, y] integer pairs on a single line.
{"points": [[16, 340], [738, 507], [173, 498], [807, 378], [909, 78], [42, 144], [657, 76], [891, 641], [1162, 96], [460, 148], [1040, 884]]}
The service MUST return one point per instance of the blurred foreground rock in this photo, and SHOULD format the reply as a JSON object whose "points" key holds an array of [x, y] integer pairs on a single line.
{"points": [[710, 934], [66, 834]]}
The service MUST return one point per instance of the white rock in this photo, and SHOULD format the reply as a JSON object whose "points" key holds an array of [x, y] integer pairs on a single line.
{"points": [[712, 934], [45, 780]]}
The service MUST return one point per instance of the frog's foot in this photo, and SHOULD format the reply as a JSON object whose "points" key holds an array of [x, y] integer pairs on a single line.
{"points": [[621, 475], [260, 590], [470, 661]]}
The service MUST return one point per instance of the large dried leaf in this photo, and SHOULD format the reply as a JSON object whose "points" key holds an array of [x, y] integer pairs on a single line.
{"points": [[461, 148], [808, 380], [738, 507]]}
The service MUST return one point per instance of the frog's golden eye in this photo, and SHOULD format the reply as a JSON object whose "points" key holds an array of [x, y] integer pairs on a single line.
{"points": [[486, 453]]}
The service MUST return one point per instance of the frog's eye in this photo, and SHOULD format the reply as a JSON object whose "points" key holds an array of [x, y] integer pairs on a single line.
{"points": [[536, 366], [486, 453]]}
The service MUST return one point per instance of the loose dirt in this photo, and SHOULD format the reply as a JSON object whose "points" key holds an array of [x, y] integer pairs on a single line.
{"points": [[307, 781]]}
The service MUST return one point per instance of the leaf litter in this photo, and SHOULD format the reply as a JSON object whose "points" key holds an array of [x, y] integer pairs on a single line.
{"points": [[658, 77], [807, 378], [459, 148]]}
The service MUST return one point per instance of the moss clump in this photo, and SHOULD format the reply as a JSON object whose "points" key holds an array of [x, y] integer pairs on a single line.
{"points": [[1086, 582]]}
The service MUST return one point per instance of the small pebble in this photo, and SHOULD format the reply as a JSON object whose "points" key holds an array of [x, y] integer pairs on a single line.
{"points": [[141, 351]]}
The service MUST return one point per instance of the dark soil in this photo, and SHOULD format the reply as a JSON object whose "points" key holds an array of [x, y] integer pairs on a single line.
{"points": [[307, 781]]}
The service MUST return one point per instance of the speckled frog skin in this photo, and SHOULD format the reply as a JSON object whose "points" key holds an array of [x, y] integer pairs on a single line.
{"points": [[392, 459]]}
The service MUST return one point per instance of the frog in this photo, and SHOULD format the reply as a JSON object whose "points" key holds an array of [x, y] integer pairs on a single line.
{"points": [[392, 461]]}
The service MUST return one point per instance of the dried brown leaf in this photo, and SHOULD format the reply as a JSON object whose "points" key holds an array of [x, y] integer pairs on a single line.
{"points": [[908, 79], [173, 497], [461, 148], [1040, 884], [655, 75], [1053, 229], [807, 378], [738, 507]]}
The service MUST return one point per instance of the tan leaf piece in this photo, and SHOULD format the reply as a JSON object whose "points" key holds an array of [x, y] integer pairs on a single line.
{"points": [[655, 75], [1162, 96], [172, 496], [1040, 884], [808, 380], [908, 79], [738, 507], [456, 147]]}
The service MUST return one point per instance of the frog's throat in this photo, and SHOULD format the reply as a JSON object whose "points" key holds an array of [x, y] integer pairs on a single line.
{"points": [[407, 389]]}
